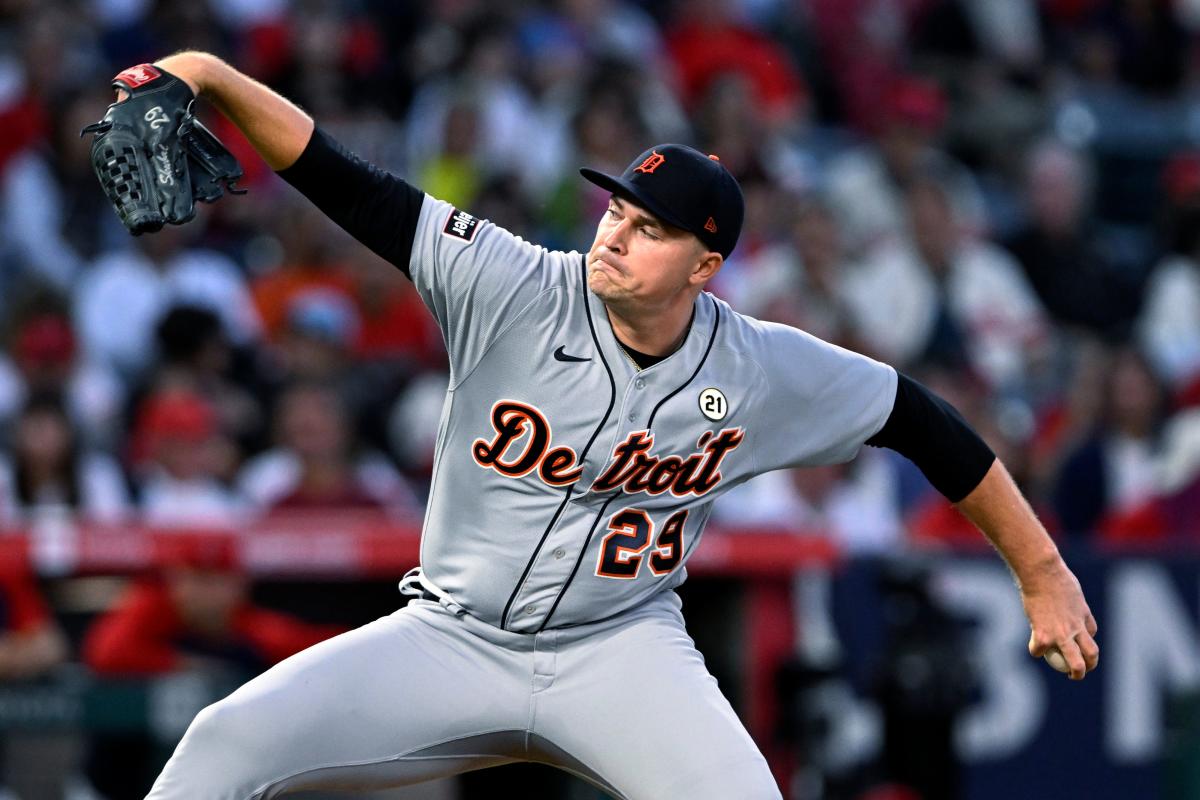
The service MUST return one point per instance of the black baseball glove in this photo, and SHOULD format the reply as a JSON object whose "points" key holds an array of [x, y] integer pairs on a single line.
{"points": [[153, 157]]}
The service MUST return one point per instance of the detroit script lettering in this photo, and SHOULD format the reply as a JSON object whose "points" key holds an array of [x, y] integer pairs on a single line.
{"points": [[522, 444]]}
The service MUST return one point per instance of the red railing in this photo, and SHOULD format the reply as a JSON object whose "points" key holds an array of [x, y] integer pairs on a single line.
{"points": [[336, 546]]}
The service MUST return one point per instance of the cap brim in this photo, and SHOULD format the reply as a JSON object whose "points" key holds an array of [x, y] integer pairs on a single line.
{"points": [[629, 190]]}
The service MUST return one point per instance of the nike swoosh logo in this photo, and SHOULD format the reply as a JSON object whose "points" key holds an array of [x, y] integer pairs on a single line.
{"points": [[559, 355]]}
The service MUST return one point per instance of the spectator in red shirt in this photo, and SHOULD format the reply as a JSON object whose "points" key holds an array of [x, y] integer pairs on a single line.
{"points": [[195, 612], [196, 616], [30, 640], [395, 326], [707, 43]]}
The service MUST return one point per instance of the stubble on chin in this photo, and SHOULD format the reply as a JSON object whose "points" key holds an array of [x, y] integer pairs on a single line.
{"points": [[601, 285]]}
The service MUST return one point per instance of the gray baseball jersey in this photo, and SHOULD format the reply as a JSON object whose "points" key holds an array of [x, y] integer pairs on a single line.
{"points": [[569, 489], [570, 486]]}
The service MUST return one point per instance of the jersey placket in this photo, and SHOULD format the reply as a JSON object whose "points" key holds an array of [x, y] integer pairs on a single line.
{"points": [[564, 554], [562, 557]]}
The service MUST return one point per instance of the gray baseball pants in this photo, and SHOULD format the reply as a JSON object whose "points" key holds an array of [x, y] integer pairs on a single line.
{"points": [[423, 693]]}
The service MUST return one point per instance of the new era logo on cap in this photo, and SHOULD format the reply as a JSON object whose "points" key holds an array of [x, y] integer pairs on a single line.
{"points": [[685, 189]]}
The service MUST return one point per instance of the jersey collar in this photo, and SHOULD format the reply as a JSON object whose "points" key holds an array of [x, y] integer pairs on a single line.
{"points": [[685, 358]]}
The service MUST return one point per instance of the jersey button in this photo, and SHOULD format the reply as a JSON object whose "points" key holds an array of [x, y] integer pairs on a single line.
{"points": [[559, 553], [639, 383], [632, 416], [529, 609]]}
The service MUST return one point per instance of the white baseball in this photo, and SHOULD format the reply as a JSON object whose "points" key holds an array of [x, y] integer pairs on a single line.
{"points": [[1056, 659]]}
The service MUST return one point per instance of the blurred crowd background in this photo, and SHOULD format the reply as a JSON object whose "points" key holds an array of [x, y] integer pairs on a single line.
{"points": [[1001, 199]]}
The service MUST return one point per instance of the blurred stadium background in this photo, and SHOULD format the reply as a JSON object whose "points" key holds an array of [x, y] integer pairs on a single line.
{"points": [[216, 439]]}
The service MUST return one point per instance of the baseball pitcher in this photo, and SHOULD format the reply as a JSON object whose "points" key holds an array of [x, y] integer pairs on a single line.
{"points": [[598, 403]]}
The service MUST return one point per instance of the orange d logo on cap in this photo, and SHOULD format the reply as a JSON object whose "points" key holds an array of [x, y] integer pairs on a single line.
{"points": [[652, 162]]}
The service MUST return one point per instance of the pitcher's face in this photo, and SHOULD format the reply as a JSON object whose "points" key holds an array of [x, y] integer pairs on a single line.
{"points": [[638, 257]]}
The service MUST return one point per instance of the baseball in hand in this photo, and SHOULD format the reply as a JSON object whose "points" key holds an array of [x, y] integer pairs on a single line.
{"points": [[1056, 659]]}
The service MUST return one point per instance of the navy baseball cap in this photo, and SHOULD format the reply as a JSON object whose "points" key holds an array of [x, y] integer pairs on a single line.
{"points": [[684, 188]]}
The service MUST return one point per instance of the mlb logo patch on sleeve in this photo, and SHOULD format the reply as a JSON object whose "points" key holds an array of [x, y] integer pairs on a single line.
{"points": [[461, 225]]}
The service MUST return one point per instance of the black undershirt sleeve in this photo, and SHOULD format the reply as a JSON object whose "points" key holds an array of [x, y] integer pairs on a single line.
{"points": [[374, 206], [933, 435]]}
